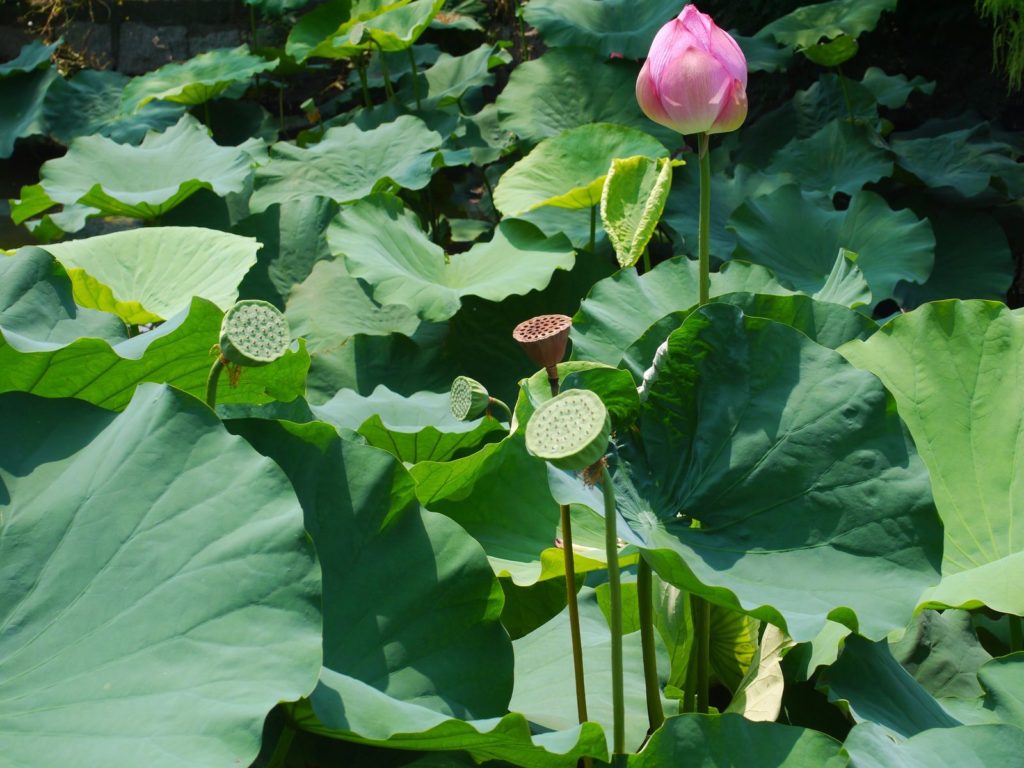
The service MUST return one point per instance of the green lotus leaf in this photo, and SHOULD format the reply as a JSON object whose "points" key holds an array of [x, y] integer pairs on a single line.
{"points": [[412, 429], [99, 172], [758, 696], [499, 494], [893, 91], [348, 163], [22, 96], [762, 54], [942, 652], [36, 304], [972, 258], [568, 170], [798, 240], [545, 689], [776, 503], [51, 224], [342, 29], [404, 668], [615, 388], [877, 689], [619, 309], [805, 26], [970, 746], [570, 87], [350, 709], [611, 26], [150, 274], [830, 325], [838, 158], [963, 163], [682, 209], [199, 79], [1003, 681], [276, 7], [710, 741], [33, 56], [949, 364], [90, 103], [161, 595], [845, 284], [106, 371], [451, 78], [634, 195], [331, 306], [382, 244], [833, 53]]}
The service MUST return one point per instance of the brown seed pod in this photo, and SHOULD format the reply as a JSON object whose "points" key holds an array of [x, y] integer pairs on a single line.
{"points": [[544, 339]]}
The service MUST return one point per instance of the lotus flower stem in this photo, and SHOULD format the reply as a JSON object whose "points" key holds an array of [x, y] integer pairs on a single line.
{"points": [[593, 227], [1016, 634], [574, 614], [846, 94], [388, 89], [361, 68], [279, 758], [415, 78], [704, 231], [498, 404], [645, 603], [702, 630], [611, 544], [211, 380]]}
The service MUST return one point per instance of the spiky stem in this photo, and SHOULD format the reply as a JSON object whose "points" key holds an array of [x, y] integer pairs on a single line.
{"points": [[211, 381], [645, 602], [611, 545], [496, 403], [704, 231], [574, 614], [415, 78]]}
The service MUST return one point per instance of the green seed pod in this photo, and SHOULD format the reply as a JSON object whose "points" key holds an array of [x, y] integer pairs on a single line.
{"points": [[570, 430], [254, 333], [469, 399]]}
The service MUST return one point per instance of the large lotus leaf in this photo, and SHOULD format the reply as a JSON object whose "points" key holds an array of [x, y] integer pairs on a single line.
{"points": [[22, 96], [830, 325], [877, 689], [942, 652], [32, 56], [615, 388], [199, 79], [759, 695], [956, 370], [893, 91], [1003, 681], [51, 224], [383, 245], [453, 658], [798, 469], [331, 306], [805, 26], [146, 181], [36, 304], [545, 689], [400, 665], [968, 746], [294, 238], [972, 259], [451, 78], [499, 494], [838, 158], [845, 284], [90, 103], [412, 429], [619, 309], [341, 29], [608, 26], [713, 741], [160, 594], [150, 274], [569, 87], [682, 210], [797, 239], [568, 170], [348, 163], [962, 163], [107, 371], [344, 707]]}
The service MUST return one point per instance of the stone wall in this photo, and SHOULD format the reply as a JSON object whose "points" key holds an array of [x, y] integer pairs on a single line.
{"points": [[135, 36]]}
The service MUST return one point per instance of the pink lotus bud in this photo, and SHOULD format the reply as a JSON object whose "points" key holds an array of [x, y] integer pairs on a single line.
{"points": [[695, 77]]}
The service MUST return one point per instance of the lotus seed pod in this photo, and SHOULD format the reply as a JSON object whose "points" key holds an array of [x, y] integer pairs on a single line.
{"points": [[469, 399], [570, 430], [544, 338], [254, 333]]}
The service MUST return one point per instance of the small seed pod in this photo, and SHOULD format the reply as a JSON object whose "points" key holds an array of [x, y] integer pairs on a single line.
{"points": [[571, 430], [469, 399], [254, 333]]}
